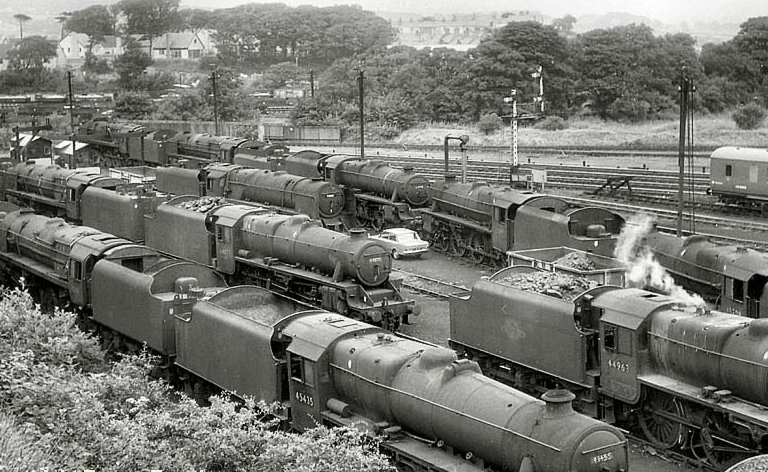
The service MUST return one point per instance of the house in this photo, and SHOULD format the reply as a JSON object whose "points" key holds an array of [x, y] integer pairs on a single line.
{"points": [[72, 49], [30, 147], [5, 48], [182, 45]]}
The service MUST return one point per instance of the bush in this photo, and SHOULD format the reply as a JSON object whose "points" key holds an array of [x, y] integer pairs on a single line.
{"points": [[489, 123], [80, 412], [629, 110], [750, 116], [552, 123]]}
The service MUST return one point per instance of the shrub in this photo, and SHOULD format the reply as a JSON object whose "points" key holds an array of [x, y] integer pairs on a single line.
{"points": [[489, 123], [750, 116], [552, 123], [114, 417]]}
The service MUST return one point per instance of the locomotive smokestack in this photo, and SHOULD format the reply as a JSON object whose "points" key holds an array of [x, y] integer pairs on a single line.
{"points": [[559, 403], [450, 177], [357, 233], [408, 169]]}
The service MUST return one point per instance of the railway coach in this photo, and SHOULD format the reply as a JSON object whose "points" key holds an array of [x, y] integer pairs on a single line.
{"points": [[740, 175]]}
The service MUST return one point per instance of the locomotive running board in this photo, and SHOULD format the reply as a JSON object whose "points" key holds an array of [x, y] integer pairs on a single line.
{"points": [[736, 407]]}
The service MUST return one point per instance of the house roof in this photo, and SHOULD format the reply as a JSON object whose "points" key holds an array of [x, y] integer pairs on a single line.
{"points": [[65, 147], [25, 139]]}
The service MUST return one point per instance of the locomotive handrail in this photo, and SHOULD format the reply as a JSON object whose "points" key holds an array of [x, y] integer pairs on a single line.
{"points": [[708, 351], [451, 410], [607, 446]]}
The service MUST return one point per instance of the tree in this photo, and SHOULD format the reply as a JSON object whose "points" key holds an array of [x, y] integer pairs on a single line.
{"points": [[130, 66], [96, 21], [133, 105], [565, 24], [151, 18], [21, 18], [31, 54], [62, 19]]}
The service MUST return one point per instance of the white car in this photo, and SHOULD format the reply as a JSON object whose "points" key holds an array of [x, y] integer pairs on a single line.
{"points": [[402, 242]]}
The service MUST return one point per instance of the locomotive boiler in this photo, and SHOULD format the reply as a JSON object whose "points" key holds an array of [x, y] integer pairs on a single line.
{"points": [[484, 222], [317, 199], [290, 254], [689, 378]]}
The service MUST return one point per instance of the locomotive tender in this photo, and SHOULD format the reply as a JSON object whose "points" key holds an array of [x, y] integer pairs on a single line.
{"points": [[689, 377], [320, 366], [484, 222]]}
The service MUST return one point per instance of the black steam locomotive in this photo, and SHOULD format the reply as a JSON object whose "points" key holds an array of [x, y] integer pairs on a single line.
{"points": [[333, 271], [383, 196], [125, 144], [690, 378], [431, 410], [733, 278], [483, 222]]}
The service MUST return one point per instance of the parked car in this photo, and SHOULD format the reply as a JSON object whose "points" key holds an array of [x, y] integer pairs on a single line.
{"points": [[402, 242]]}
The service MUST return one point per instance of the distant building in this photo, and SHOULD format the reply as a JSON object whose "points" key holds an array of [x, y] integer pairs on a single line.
{"points": [[83, 153], [30, 147], [71, 51], [183, 45]]}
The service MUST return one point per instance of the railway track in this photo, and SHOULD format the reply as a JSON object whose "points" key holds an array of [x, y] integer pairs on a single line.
{"points": [[430, 286]]}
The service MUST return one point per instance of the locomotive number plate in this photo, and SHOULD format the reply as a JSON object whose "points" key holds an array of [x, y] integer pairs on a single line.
{"points": [[618, 365], [305, 399], [600, 458]]}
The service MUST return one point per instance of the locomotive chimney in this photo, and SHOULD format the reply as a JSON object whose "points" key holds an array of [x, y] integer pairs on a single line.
{"points": [[559, 403], [450, 177], [407, 169], [357, 233]]}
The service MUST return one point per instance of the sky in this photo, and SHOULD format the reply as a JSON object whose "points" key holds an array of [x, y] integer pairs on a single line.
{"points": [[668, 11]]}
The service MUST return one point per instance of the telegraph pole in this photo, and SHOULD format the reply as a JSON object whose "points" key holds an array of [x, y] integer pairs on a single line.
{"points": [[215, 103], [361, 91], [312, 83], [686, 87], [71, 119]]}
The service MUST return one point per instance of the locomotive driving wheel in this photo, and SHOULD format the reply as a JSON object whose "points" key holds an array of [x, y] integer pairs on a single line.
{"points": [[458, 244], [659, 418], [439, 241], [717, 443], [477, 247]]}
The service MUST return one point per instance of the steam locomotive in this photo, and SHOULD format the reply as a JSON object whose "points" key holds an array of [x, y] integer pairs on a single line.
{"points": [[484, 222], [333, 271], [383, 196], [733, 278], [690, 378], [323, 201], [125, 144], [431, 410]]}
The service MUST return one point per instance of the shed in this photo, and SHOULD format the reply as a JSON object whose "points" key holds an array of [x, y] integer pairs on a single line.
{"points": [[30, 147]]}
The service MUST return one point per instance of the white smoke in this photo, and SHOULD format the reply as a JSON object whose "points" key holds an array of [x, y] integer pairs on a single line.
{"points": [[644, 271]]}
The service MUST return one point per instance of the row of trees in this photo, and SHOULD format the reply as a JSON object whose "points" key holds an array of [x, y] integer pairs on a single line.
{"points": [[620, 73]]}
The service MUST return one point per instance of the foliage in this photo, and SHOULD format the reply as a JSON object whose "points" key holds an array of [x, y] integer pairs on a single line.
{"points": [[82, 413], [186, 105], [552, 123], [31, 54], [16, 448], [279, 75], [750, 116], [489, 123], [133, 105], [21, 18], [717, 93], [96, 21], [305, 35], [628, 70], [149, 17], [130, 66]]}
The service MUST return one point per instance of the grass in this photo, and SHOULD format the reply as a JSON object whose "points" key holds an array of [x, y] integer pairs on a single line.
{"points": [[709, 131]]}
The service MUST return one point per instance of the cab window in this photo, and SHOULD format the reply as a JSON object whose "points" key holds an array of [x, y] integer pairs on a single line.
{"points": [[302, 370], [728, 170]]}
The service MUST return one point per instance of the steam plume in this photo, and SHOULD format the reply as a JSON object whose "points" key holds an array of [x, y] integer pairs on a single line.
{"points": [[644, 270]]}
